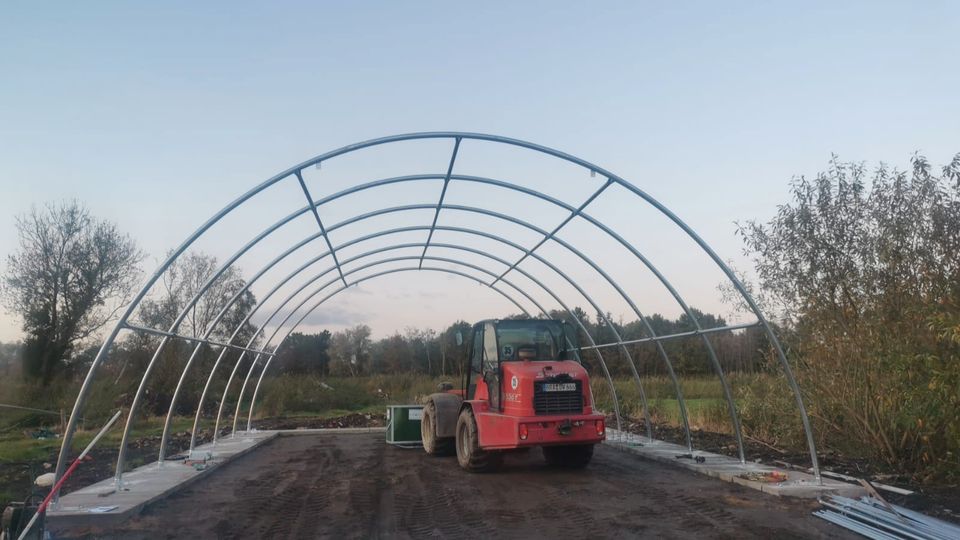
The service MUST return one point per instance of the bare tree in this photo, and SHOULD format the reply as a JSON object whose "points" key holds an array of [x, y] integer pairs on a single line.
{"points": [[69, 277], [182, 281]]}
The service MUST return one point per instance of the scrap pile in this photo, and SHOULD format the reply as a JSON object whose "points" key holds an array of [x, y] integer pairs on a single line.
{"points": [[878, 519]]}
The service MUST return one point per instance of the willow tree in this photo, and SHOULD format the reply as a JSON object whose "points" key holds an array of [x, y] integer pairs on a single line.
{"points": [[864, 266]]}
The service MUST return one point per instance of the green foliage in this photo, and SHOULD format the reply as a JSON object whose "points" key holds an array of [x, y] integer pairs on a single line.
{"points": [[304, 353], [866, 275], [313, 394], [703, 396]]}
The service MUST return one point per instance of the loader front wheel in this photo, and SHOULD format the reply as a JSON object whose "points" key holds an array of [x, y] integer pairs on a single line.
{"points": [[469, 454], [435, 446]]}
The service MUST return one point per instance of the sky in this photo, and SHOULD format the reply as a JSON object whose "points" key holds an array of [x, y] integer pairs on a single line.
{"points": [[156, 115]]}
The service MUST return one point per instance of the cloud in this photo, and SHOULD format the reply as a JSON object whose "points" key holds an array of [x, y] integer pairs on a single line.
{"points": [[323, 316], [357, 290]]}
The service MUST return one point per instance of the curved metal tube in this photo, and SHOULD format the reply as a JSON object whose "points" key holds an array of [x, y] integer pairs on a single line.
{"points": [[121, 455], [502, 240], [341, 224], [290, 297], [121, 323], [418, 245], [283, 282], [213, 370], [446, 178], [81, 399], [324, 286], [616, 403], [213, 324], [711, 353], [518, 247], [354, 258]]}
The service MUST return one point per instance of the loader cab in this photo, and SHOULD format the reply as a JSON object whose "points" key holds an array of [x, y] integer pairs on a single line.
{"points": [[493, 342]]}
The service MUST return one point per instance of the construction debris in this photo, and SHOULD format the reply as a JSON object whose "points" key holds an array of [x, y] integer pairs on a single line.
{"points": [[880, 520], [768, 477]]}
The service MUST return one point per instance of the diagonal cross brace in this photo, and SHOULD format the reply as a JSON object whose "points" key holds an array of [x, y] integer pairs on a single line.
{"points": [[572, 215], [323, 230], [156, 332], [443, 193]]}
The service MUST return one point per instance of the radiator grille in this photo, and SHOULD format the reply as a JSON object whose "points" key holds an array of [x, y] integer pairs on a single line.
{"points": [[569, 401]]}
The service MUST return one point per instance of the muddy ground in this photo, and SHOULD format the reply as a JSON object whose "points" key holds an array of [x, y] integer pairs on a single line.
{"points": [[356, 486]]}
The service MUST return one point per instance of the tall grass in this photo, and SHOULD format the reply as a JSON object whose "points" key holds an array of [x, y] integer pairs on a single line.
{"points": [[766, 408], [290, 394]]}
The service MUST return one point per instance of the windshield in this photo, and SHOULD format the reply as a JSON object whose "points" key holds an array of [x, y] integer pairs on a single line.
{"points": [[526, 340]]}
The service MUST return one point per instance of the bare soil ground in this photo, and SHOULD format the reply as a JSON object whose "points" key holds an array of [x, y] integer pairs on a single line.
{"points": [[356, 486]]}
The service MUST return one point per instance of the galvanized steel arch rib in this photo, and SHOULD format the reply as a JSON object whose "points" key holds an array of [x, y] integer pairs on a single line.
{"points": [[381, 233], [574, 212], [318, 291], [315, 278], [715, 363], [182, 315], [108, 342], [541, 231], [370, 214], [603, 364], [527, 252], [278, 309], [323, 287], [444, 245]]}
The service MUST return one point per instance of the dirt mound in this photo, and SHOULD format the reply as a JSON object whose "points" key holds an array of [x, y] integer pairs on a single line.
{"points": [[354, 420]]}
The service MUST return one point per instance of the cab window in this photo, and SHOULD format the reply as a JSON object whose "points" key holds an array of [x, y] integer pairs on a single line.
{"points": [[489, 347], [477, 354]]}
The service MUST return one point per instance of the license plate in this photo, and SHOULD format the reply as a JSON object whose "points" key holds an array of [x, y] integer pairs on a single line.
{"points": [[559, 387]]}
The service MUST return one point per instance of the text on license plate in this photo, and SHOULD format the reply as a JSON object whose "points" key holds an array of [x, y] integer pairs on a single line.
{"points": [[559, 387]]}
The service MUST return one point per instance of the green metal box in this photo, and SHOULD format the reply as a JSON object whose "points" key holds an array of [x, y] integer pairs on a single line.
{"points": [[403, 424]]}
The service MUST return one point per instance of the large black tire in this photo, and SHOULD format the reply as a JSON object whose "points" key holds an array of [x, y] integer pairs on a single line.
{"points": [[469, 454], [435, 446], [575, 456]]}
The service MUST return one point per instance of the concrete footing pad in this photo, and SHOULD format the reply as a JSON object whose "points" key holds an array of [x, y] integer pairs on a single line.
{"points": [[102, 503], [797, 484]]}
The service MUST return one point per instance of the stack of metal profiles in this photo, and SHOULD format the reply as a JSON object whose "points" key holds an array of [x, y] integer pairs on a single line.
{"points": [[873, 519]]}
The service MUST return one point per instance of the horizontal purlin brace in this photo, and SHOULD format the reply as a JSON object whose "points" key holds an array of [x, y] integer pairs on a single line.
{"points": [[154, 331], [675, 336]]}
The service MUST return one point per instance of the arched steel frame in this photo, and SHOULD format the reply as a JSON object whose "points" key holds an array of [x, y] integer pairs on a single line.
{"points": [[124, 323]]}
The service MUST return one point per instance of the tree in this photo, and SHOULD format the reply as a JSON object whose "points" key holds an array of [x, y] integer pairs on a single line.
{"points": [[69, 277], [422, 340], [9, 357], [350, 350], [305, 353], [453, 356], [182, 281], [866, 278]]}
